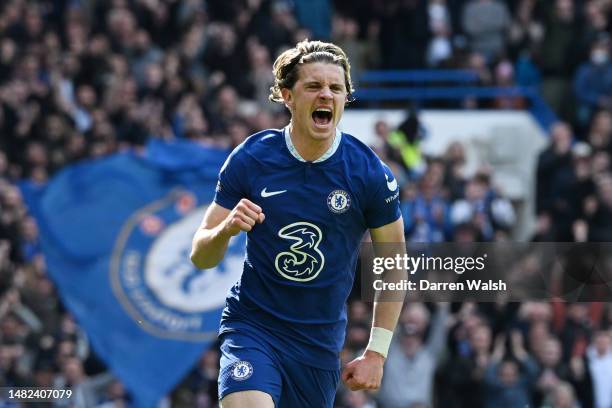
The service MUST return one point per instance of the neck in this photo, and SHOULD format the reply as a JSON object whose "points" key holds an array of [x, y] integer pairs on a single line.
{"points": [[308, 148]]}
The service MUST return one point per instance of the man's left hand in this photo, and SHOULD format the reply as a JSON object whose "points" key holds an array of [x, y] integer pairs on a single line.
{"points": [[365, 372]]}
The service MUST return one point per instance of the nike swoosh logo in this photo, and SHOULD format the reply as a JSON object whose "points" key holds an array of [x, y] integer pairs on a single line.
{"points": [[391, 185], [265, 193]]}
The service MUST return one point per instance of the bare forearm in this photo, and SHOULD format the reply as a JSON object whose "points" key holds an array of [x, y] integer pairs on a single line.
{"points": [[388, 304], [209, 246], [387, 309], [388, 243], [386, 314], [219, 225]]}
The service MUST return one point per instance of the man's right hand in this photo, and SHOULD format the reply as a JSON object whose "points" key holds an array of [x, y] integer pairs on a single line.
{"points": [[243, 217], [218, 226]]}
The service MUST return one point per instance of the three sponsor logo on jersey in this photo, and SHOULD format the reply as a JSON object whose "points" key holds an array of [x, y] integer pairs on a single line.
{"points": [[303, 261]]}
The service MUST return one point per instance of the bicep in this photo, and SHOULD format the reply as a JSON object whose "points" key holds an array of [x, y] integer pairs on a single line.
{"points": [[214, 215], [392, 232]]}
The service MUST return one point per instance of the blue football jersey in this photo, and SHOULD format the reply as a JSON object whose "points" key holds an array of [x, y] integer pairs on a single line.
{"points": [[300, 262]]}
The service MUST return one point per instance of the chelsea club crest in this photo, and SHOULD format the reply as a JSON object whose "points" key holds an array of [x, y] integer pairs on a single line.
{"points": [[241, 370], [338, 201], [154, 279]]}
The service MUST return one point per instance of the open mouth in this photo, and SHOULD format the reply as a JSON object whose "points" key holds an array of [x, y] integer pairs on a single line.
{"points": [[322, 116]]}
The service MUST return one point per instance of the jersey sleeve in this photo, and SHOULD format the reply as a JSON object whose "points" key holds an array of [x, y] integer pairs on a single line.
{"points": [[232, 182], [383, 205]]}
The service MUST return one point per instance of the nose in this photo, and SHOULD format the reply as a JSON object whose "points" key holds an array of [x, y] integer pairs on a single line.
{"points": [[325, 93]]}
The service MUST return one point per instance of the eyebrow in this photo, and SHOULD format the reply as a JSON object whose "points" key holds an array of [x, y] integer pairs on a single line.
{"points": [[315, 82]]}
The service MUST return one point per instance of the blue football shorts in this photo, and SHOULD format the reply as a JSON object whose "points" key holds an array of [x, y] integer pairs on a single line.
{"points": [[248, 363]]}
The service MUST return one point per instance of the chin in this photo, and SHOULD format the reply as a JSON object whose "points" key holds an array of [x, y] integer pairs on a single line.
{"points": [[322, 134]]}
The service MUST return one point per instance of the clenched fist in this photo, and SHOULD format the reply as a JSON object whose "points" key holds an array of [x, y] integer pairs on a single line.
{"points": [[243, 217], [365, 372]]}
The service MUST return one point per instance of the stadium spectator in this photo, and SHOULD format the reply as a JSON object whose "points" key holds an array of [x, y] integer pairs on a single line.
{"points": [[508, 381], [504, 77], [554, 172], [551, 372], [599, 355], [557, 54], [440, 48], [424, 208], [562, 396], [487, 22], [593, 81], [199, 388], [260, 77], [482, 208], [581, 380], [461, 377], [600, 214], [88, 391], [413, 358], [361, 52], [600, 139], [383, 148], [115, 396], [526, 31], [406, 139], [454, 173], [358, 399], [595, 25], [576, 330]]}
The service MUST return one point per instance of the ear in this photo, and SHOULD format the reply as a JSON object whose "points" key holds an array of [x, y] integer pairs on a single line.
{"points": [[287, 97]]}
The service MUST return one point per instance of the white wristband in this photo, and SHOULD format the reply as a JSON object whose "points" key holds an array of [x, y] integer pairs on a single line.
{"points": [[380, 339]]}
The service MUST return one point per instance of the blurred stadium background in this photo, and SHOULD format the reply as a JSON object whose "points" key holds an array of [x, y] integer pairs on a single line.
{"points": [[494, 115]]}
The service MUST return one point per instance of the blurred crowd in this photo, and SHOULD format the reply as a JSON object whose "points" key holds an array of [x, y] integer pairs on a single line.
{"points": [[85, 78], [530, 354]]}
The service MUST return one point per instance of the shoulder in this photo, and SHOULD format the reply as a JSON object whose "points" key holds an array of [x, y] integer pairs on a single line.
{"points": [[355, 149], [257, 145], [361, 156], [260, 141]]}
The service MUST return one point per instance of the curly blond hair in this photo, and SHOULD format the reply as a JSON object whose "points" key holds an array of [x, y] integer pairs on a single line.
{"points": [[286, 65]]}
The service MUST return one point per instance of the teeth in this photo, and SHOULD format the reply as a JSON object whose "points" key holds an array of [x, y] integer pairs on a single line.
{"points": [[323, 110]]}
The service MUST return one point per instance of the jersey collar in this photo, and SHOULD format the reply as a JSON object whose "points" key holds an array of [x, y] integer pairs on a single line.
{"points": [[332, 149]]}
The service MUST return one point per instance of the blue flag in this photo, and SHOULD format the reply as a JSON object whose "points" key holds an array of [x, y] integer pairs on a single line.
{"points": [[116, 234]]}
